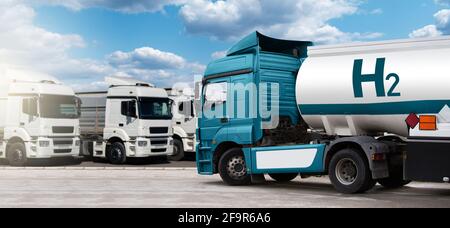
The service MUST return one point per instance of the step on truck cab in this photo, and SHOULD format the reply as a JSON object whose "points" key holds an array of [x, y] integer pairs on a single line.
{"points": [[38, 118], [184, 122], [132, 119], [361, 113]]}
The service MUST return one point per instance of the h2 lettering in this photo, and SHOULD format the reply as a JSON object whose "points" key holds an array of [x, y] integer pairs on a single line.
{"points": [[377, 78]]}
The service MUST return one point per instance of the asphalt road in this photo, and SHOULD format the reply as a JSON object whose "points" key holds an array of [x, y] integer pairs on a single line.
{"points": [[181, 187], [189, 161]]}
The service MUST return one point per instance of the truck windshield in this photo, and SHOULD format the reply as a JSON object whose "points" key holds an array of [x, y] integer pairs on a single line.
{"points": [[155, 108], [58, 107]]}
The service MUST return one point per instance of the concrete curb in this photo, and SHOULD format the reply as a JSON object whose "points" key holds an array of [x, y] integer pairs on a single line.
{"points": [[98, 168]]}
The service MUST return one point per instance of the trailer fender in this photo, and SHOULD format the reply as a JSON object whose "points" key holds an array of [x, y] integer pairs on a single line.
{"points": [[365, 144]]}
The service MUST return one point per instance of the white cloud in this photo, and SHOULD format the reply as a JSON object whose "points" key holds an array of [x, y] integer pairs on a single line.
{"points": [[294, 19], [427, 31], [147, 58], [25, 45], [441, 27], [126, 6], [219, 54], [156, 66], [442, 2], [376, 11]]}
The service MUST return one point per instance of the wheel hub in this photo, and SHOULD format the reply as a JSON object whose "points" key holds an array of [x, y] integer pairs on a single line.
{"points": [[116, 154], [18, 155], [346, 171], [236, 167]]}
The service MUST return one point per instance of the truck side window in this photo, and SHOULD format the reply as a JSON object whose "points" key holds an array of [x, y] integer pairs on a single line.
{"points": [[29, 106], [215, 94], [128, 108]]}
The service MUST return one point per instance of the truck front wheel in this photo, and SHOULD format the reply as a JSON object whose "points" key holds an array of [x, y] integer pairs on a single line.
{"points": [[283, 177], [178, 151], [17, 155], [349, 172], [233, 169], [117, 154]]}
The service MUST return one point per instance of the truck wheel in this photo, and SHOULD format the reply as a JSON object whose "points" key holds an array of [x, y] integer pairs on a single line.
{"points": [[395, 179], [17, 155], [232, 168], [178, 151], [349, 172], [117, 154], [283, 177]]}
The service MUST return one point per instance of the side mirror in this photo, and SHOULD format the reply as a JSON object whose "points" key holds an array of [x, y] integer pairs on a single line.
{"points": [[30, 107], [192, 109], [129, 108]]}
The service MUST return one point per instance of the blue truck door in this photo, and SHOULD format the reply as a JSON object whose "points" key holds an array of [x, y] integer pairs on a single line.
{"points": [[214, 117], [243, 108]]}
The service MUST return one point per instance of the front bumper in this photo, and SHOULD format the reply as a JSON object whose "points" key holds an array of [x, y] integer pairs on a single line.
{"points": [[150, 147], [54, 147]]}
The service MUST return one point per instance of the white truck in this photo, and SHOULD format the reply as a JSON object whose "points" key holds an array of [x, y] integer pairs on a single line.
{"points": [[132, 119], [184, 122], [38, 118]]}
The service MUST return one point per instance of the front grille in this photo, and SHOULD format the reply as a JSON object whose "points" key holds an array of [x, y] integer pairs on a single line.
{"points": [[159, 142], [63, 130], [63, 151], [159, 130], [63, 143], [159, 150]]}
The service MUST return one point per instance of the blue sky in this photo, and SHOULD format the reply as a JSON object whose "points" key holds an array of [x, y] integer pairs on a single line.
{"points": [[168, 41]]}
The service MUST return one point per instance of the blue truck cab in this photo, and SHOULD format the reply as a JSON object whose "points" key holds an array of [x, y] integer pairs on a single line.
{"points": [[241, 141]]}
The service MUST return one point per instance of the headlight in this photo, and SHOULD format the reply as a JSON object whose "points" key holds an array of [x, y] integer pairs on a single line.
{"points": [[142, 143], [44, 143], [171, 142], [77, 142]]}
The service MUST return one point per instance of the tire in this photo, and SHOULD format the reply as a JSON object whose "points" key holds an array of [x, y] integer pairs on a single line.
{"points": [[349, 172], [117, 154], [284, 177], [395, 179], [178, 150], [232, 168], [17, 155]]}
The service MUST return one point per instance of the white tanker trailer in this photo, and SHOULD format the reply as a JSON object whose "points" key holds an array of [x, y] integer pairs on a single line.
{"points": [[372, 88], [361, 113]]}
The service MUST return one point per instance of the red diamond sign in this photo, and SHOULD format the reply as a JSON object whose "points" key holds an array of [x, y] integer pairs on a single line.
{"points": [[412, 120]]}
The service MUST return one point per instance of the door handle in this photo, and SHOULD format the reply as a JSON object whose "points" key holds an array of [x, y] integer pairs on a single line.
{"points": [[224, 120], [121, 125], [178, 123], [22, 124]]}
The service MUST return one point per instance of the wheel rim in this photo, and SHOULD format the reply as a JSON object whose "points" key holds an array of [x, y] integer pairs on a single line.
{"points": [[116, 154], [236, 167], [18, 155], [346, 171]]}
